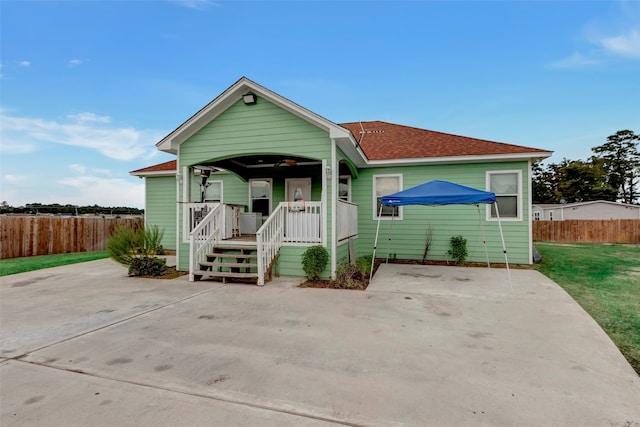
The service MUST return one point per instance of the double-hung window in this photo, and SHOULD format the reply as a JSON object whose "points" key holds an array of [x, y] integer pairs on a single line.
{"points": [[344, 188], [260, 196], [213, 192], [383, 185], [507, 186]]}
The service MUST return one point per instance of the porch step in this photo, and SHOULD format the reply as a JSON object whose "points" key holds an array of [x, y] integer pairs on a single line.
{"points": [[238, 262], [216, 265]]}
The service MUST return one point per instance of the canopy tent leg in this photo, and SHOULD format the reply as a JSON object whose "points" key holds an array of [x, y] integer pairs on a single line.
{"points": [[504, 248], [390, 231], [375, 244], [484, 237]]}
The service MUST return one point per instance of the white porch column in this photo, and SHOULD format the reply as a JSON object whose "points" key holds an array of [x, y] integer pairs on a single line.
{"points": [[335, 178]]}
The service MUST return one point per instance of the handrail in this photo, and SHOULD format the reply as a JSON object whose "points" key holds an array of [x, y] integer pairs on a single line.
{"points": [[205, 235], [269, 239]]}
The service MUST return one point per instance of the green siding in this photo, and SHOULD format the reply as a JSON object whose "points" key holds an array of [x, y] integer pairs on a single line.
{"points": [[408, 235], [253, 129], [342, 251], [160, 207]]}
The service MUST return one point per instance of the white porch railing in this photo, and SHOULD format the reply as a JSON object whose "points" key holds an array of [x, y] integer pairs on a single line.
{"points": [[303, 222], [269, 240], [194, 213], [289, 223], [204, 236], [347, 220]]}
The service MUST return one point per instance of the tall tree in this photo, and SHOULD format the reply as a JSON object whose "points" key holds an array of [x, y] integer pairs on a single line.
{"points": [[580, 181], [544, 183], [620, 160]]}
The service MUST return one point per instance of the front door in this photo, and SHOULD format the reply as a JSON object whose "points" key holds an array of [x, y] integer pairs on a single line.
{"points": [[298, 189]]}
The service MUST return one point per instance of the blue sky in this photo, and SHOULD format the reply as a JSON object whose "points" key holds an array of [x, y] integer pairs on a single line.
{"points": [[88, 87]]}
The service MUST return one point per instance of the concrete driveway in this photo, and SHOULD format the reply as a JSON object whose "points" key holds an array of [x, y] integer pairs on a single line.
{"points": [[85, 345]]}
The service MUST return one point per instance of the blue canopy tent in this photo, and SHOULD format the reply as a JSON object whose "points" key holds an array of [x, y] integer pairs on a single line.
{"points": [[437, 193]]}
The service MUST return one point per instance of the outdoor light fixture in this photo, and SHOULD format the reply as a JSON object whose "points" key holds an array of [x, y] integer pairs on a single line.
{"points": [[249, 98]]}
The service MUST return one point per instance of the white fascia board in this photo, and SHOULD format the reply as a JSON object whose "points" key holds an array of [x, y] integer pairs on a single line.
{"points": [[350, 148], [153, 173], [488, 158]]}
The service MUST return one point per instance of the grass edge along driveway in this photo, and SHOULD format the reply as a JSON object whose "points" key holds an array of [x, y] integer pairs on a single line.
{"points": [[25, 264], [605, 280]]}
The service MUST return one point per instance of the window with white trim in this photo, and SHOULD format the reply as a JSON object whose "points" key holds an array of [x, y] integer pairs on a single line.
{"points": [[344, 188], [508, 190], [536, 216], [260, 196], [213, 192], [383, 185]]}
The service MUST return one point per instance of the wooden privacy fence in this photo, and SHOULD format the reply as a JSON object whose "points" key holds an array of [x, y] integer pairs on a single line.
{"points": [[22, 236], [588, 230]]}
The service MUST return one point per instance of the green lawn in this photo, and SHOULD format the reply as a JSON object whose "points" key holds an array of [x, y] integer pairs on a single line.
{"points": [[605, 281], [22, 265]]}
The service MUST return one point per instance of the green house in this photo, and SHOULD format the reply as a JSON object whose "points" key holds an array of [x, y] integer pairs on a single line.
{"points": [[258, 179]]}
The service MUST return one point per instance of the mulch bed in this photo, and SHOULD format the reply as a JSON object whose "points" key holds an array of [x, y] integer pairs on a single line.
{"points": [[171, 273]]}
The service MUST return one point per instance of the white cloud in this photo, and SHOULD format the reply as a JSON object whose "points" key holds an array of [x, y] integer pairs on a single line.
{"points": [[626, 45], [75, 62], [9, 145], [576, 60], [84, 170], [90, 190], [119, 143], [606, 38], [24, 64], [80, 169], [89, 117], [15, 178]]}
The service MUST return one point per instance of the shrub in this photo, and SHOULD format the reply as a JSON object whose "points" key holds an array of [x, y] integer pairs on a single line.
{"points": [[458, 249], [153, 240], [148, 266], [349, 276], [314, 261], [123, 245], [364, 265], [135, 248]]}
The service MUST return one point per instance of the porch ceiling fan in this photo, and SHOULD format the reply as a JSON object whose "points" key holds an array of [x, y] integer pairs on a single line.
{"points": [[288, 162]]}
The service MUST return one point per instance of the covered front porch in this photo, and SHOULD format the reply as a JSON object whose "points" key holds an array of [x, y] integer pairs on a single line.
{"points": [[275, 201]]}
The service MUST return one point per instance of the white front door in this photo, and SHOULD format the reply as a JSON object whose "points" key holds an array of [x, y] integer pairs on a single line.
{"points": [[297, 189]]}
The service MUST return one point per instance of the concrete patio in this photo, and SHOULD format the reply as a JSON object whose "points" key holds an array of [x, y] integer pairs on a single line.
{"points": [[424, 345]]}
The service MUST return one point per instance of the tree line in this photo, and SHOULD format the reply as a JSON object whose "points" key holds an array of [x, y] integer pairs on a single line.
{"points": [[58, 209], [612, 173]]}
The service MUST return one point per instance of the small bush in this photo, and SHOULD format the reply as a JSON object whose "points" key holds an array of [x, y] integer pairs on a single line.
{"points": [[148, 266], [364, 265], [349, 276], [124, 245], [314, 261], [135, 248], [458, 249], [153, 240]]}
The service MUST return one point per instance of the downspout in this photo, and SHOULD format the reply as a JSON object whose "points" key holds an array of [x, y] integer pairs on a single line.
{"points": [[529, 190], [180, 196], [334, 203]]}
